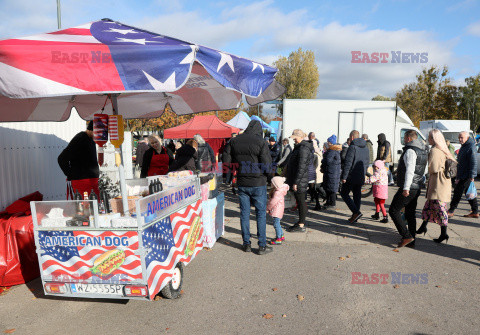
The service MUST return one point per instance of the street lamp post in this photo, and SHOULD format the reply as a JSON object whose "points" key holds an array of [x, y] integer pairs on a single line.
{"points": [[59, 15]]}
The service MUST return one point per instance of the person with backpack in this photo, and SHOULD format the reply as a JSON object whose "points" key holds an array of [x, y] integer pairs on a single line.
{"points": [[439, 187], [206, 160]]}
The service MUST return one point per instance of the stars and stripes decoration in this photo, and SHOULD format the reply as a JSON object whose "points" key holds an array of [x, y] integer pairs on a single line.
{"points": [[73, 263], [165, 244], [110, 57]]}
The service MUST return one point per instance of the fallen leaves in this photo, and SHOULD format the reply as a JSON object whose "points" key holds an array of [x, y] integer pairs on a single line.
{"points": [[396, 286], [438, 286], [157, 297], [4, 290], [300, 297], [284, 315], [396, 250], [267, 316], [341, 258], [274, 289], [9, 331], [182, 292], [348, 256]]}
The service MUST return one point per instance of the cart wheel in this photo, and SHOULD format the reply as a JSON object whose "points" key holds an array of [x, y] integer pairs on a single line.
{"points": [[173, 288], [366, 190]]}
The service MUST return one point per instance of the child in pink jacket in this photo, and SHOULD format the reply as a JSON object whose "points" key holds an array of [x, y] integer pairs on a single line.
{"points": [[380, 189], [276, 205]]}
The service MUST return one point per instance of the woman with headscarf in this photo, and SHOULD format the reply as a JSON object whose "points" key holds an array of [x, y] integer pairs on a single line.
{"points": [[157, 159], [439, 187]]}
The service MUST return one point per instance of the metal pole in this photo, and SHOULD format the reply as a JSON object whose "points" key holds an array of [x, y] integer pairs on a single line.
{"points": [[121, 169], [59, 15]]}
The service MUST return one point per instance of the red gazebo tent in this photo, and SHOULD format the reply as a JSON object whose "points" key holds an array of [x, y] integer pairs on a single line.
{"points": [[211, 128]]}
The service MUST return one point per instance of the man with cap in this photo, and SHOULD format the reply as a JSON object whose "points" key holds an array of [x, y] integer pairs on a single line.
{"points": [[78, 162]]}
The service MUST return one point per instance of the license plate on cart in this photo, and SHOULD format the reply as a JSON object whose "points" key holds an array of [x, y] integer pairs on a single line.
{"points": [[112, 289]]}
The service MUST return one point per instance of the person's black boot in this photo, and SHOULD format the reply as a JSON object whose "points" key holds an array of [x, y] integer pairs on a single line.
{"points": [[385, 219], [443, 235], [423, 228], [376, 216]]}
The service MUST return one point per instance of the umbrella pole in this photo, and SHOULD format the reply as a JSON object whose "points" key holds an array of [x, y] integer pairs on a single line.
{"points": [[121, 169]]}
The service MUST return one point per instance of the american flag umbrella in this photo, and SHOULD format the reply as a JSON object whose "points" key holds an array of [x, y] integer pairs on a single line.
{"points": [[43, 76]]}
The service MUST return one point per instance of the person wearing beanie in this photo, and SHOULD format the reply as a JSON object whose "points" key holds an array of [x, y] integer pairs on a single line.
{"points": [[79, 163], [276, 206], [331, 170]]}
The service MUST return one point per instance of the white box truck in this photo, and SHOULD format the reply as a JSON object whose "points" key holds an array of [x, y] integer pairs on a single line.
{"points": [[340, 117], [450, 129]]}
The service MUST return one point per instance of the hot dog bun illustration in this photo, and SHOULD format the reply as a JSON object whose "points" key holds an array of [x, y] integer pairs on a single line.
{"points": [[193, 235], [108, 262]]}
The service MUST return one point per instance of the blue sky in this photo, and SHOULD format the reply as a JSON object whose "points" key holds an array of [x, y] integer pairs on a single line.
{"points": [[264, 30]]}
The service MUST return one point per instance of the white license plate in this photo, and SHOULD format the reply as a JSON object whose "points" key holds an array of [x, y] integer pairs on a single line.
{"points": [[112, 289]]}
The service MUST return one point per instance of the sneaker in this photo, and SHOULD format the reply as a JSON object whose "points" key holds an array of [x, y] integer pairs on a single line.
{"points": [[356, 217], [277, 241], [247, 248], [264, 250], [296, 229]]}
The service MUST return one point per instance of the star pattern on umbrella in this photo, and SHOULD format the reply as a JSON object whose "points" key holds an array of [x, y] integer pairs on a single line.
{"points": [[121, 31], [225, 59], [142, 41], [255, 65]]}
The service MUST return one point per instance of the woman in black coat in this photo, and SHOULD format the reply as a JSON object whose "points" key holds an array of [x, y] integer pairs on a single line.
{"points": [[298, 175], [185, 157], [331, 168]]}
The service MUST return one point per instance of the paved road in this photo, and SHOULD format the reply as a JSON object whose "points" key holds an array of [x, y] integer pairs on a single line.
{"points": [[227, 291]]}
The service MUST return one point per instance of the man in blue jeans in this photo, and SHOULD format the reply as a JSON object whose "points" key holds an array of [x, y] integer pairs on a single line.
{"points": [[250, 153]]}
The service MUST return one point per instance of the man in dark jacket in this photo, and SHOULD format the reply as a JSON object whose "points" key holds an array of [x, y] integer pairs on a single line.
{"points": [[384, 153], [285, 152], [466, 173], [299, 162], [353, 174], [410, 172], [250, 152], [79, 163], [274, 149]]}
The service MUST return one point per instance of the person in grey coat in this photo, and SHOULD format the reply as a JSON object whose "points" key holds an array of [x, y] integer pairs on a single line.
{"points": [[353, 174], [285, 152]]}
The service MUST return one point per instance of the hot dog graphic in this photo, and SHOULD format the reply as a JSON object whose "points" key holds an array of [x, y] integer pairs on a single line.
{"points": [[193, 235], [108, 262]]}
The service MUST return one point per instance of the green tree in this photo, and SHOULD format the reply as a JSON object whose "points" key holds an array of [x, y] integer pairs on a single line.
{"points": [[299, 74], [432, 96], [469, 105], [382, 98]]}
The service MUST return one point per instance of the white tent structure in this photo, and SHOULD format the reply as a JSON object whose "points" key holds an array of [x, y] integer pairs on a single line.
{"points": [[241, 120]]}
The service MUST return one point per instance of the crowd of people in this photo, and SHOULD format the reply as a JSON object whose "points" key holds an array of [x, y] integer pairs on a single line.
{"points": [[306, 169]]}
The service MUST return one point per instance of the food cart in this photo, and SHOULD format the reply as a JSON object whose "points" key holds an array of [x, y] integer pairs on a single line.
{"points": [[86, 254]]}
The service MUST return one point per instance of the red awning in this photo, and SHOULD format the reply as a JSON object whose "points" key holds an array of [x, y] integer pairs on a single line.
{"points": [[208, 126]]}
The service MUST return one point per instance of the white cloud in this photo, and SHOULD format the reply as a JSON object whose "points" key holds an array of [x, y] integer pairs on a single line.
{"points": [[474, 29], [277, 33], [262, 32]]}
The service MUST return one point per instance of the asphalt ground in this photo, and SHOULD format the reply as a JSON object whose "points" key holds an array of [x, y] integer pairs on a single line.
{"points": [[305, 286]]}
